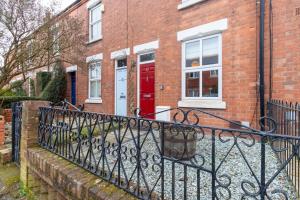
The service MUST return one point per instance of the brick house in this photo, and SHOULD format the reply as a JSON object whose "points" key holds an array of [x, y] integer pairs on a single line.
{"points": [[185, 53]]}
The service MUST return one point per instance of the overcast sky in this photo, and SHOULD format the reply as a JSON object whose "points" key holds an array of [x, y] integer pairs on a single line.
{"points": [[62, 4]]}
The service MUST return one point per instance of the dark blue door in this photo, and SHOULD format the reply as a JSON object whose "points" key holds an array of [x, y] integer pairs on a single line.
{"points": [[73, 88]]}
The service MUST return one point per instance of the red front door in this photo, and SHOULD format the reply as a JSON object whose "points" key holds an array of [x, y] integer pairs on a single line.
{"points": [[147, 89]]}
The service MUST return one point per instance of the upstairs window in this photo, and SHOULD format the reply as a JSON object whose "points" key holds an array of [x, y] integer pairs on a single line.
{"points": [[95, 28], [55, 39], [202, 70]]}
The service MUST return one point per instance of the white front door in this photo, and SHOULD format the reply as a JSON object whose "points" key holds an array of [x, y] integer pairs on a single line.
{"points": [[121, 88]]}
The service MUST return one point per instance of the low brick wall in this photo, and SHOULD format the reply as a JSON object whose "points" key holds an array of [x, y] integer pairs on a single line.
{"points": [[7, 113], [2, 130], [67, 180]]}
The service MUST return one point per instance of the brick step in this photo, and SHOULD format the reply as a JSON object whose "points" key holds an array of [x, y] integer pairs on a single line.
{"points": [[5, 156], [8, 141]]}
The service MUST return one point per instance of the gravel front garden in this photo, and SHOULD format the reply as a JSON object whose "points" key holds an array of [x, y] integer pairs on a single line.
{"points": [[238, 172]]}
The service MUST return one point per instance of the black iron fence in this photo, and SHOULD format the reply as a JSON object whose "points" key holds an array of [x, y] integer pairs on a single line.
{"points": [[16, 131], [287, 117], [172, 160]]}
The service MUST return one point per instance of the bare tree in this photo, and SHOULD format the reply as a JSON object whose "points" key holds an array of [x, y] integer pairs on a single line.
{"points": [[31, 37]]}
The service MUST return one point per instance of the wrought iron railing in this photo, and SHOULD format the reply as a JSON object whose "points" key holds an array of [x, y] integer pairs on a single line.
{"points": [[287, 117], [65, 104], [171, 160]]}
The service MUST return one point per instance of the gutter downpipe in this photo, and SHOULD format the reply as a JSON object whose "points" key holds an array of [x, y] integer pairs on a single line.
{"points": [[262, 99], [261, 61]]}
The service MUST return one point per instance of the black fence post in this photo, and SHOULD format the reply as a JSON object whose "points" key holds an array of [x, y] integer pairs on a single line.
{"points": [[13, 130], [138, 156], [263, 168], [119, 150], [213, 164], [162, 143]]}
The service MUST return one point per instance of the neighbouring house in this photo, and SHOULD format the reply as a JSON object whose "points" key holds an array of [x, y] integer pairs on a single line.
{"points": [[157, 54]]}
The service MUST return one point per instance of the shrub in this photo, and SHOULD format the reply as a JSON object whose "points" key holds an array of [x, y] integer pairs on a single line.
{"points": [[5, 101], [32, 86], [17, 88], [42, 80], [9, 93], [55, 90]]}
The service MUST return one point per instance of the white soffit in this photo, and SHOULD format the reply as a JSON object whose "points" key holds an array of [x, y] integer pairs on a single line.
{"points": [[120, 53], [150, 46], [72, 68], [203, 30], [96, 57]]}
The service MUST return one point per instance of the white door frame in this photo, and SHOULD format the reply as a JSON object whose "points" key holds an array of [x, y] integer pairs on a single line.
{"points": [[116, 69], [139, 63]]}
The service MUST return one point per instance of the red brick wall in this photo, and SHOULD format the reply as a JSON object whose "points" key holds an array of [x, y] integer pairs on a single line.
{"points": [[286, 50], [154, 20], [239, 58], [2, 130], [7, 113]]}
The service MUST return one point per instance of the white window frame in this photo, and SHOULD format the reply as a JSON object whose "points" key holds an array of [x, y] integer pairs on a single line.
{"points": [[55, 39], [95, 79], [202, 68], [188, 3], [91, 24]]}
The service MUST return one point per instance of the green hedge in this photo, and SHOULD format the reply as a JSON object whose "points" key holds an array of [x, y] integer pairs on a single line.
{"points": [[42, 80], [5, 101], [32, 86], [56, 89]]}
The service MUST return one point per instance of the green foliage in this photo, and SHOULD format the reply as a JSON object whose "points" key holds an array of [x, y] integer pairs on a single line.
{"points": [[131, 88], [25, 192], [42, 80], [55, 90], [5, 101], [17, 88], [32, 86], [6, 93]]}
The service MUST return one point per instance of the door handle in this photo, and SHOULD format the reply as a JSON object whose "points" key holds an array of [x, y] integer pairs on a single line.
{"points": [[147, 95]]}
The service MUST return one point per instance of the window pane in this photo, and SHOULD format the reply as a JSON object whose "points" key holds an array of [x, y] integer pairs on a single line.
{"points": [[95, 71], [192, 84], [122, 63], [210, 51], [210, 83], [95, 28], [95, 89], [192, 54], [147, 57], [95, 14]]}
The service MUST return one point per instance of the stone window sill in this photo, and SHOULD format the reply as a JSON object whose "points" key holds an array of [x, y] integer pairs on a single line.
{"points": [[188, 3], [93, 41], [93, 101], [212, 104]]}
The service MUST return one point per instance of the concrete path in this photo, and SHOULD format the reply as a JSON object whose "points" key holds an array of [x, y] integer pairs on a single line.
{"points": [[9, 182]]}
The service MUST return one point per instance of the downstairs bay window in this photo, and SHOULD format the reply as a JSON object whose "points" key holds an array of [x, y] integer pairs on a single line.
{"points": [[202, 69]]}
